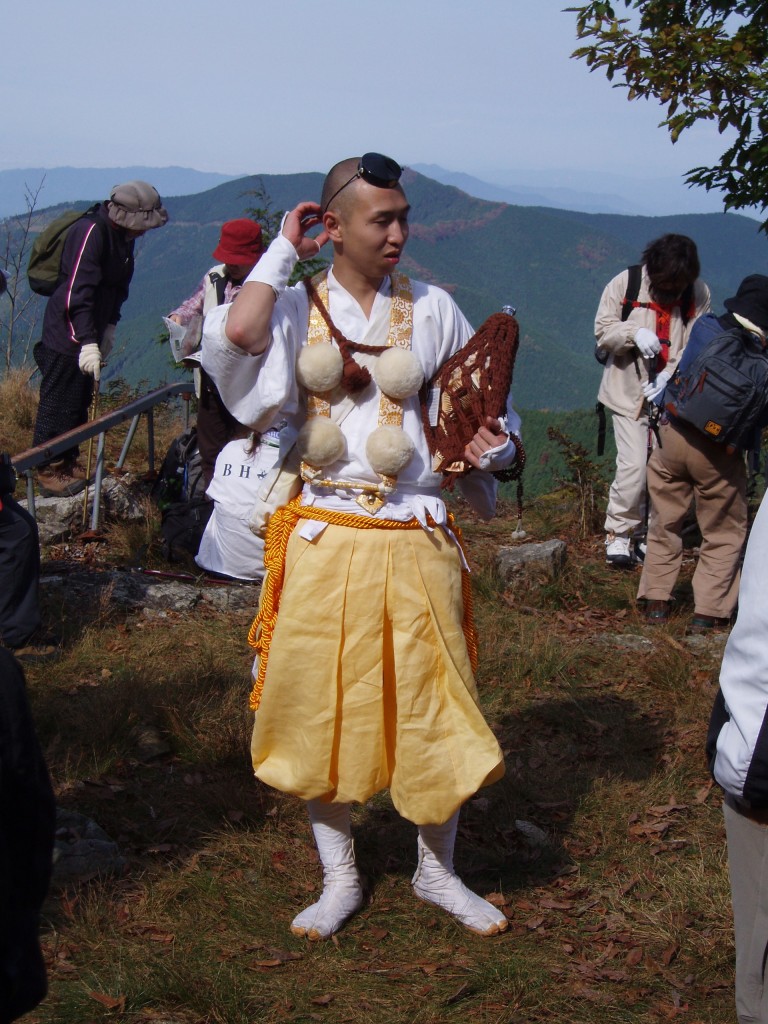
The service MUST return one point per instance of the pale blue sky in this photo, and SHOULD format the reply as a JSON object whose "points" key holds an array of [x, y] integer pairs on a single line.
{"points": [[249, 86]]}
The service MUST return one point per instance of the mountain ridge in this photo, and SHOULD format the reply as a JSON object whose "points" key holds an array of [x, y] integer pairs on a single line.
{"points": [[551, 264]]}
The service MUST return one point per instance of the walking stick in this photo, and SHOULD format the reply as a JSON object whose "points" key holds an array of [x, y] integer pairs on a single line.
{"points": [[652, 432], [94, 413]]}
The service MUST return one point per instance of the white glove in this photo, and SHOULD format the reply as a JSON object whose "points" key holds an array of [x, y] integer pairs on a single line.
{"points": [[90, 360], [652, 389], [647, 342], [500, 457], [107, 341]]}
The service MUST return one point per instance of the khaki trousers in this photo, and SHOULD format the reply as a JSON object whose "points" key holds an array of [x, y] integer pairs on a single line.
{"points": [[688, 465], [627, 497]]}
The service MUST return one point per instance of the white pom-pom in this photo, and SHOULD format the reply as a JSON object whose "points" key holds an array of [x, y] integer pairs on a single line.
{"points": [[398, 373], [389, 450], [320, 442], [319, 368]]}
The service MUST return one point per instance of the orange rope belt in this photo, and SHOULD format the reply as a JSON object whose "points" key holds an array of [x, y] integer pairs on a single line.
{"points": [[281, 526]]}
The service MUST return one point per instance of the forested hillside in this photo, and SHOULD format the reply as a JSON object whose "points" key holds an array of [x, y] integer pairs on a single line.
{"points": [[550, 264]]}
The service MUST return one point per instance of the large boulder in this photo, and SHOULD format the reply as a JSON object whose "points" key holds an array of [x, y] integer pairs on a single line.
{"points": [[58, 518]]}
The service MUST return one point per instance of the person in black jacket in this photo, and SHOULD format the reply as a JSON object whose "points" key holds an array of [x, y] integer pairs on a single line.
{"points": [[19, 565], [27, 827], [80, 319]]}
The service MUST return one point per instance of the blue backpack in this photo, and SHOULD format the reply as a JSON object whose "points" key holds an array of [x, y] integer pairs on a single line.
{"points": [[721, 384]]}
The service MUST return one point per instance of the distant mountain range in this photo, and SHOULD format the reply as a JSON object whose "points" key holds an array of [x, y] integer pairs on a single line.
{"points": [[586, 191], [550, 263], [68, 184]]}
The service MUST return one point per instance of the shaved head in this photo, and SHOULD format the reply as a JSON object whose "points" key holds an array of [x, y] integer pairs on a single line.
{"points": [[335, 180]]}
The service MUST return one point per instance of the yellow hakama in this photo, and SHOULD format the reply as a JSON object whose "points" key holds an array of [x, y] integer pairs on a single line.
{"points": [[368, 681]]}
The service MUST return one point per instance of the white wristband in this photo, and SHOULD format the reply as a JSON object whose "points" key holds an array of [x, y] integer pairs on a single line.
{"points": [[276, 265]]}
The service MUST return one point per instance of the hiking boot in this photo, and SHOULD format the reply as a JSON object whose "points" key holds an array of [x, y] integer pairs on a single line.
{"points": [[41, 645], [57, 481], [618, 552], [76, 469], [702, 624], [657, 612]]}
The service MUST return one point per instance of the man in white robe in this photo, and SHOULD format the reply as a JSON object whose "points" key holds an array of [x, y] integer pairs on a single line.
{"points": [[368, 683]]}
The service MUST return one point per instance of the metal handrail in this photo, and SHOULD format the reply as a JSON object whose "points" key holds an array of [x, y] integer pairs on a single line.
{"points": [[28, 460]]}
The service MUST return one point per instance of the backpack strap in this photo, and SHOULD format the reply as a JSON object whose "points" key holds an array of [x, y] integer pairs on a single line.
{"points": [[600, 410], [219, 281], [634, 279]]}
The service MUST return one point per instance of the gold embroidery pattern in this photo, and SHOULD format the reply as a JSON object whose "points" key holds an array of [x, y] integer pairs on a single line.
{"points": [[400, 334], [317, 334]]}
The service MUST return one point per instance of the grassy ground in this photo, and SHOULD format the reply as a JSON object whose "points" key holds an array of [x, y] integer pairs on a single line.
{"points": [[603, 844]]}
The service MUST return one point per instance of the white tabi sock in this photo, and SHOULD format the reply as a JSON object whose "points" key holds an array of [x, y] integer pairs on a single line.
{"points": [[342, 892], [436, 882]]}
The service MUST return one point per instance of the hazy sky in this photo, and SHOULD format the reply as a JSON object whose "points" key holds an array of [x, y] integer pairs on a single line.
{"points": [[277, 86]]}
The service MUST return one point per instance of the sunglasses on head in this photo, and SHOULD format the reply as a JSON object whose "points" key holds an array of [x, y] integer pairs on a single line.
{"points": [[376, 169]]}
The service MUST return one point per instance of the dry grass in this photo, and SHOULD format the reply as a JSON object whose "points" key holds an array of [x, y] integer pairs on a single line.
{"points": [[18, 400], [621, 915]]}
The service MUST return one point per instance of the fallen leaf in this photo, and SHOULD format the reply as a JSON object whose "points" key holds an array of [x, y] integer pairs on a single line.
{"points": [[322, 1000], [462, 991], [669, 954], [110, 1002]]}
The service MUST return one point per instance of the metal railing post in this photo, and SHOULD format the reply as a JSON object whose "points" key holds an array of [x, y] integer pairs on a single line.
{"points": [[128, 440], [151, 440]]}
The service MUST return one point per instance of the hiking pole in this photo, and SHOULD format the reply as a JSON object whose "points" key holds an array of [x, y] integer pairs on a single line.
{"points": [[93, 415], [650, 433]]}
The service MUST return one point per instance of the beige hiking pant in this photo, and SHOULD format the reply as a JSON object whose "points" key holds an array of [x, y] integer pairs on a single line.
{"points": [[689, 465], [627, 497]]}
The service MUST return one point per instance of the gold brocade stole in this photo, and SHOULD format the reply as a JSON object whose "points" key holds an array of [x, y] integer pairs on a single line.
{"points": [[400, 335]]}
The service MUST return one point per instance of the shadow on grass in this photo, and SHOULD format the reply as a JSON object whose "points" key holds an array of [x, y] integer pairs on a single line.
{"points": [[555, 750]]}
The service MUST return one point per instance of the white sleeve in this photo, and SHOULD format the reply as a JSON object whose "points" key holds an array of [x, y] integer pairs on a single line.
{"points": [[743, 738], [255, 388]]}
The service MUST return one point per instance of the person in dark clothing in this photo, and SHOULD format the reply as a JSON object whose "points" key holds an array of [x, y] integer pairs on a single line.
{"points": [[19, 565], [80, 319], [27, 828]]}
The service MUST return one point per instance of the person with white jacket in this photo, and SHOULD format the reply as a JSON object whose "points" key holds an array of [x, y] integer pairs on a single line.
{"points": [[737, 750], [644, 338]]}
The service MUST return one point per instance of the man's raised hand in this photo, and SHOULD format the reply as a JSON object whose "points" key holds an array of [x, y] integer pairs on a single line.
{"points": [[297, 223]]}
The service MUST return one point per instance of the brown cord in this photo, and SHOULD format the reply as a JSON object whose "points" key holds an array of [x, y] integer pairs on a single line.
{"points": [[355, 377]]}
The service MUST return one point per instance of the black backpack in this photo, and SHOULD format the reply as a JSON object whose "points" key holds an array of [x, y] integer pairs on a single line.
{"points": [[723, 390], [180, 494]]}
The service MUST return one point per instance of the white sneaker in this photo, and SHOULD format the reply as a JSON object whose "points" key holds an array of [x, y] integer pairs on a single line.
{"points": [[618, 551]]}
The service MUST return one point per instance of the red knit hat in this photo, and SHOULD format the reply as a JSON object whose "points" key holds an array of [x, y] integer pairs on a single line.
{"points": [[239, 242]]}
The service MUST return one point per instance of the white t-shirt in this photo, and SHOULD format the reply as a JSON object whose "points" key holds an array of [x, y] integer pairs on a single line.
{"points": [[228, 546]]}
